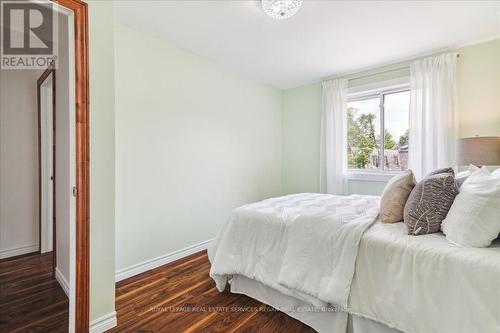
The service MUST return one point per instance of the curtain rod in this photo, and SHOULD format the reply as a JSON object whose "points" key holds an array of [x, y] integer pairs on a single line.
{"points": [[361, 74], [358, 77]]}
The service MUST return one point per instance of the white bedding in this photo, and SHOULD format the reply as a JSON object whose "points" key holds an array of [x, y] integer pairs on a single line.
{"points": [[322, 320], [303, 245], [416, 284], [423, 284]]}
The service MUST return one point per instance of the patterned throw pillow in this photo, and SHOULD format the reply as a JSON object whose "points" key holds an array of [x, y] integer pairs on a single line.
{"points": [[429, 203], [439, 171]]}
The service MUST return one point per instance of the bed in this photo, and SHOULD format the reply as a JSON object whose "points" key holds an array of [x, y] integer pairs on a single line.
{"points": [[398, 283]]}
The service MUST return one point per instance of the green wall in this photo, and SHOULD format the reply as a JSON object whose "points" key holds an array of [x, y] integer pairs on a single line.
{"points": [[301, 135], [102, 159], [193, 141], [478, 83]]}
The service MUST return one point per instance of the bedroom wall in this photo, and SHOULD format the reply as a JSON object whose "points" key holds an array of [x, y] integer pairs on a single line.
{"points": [[193, 141], [301, 135], [478, 83], [102, 159], [478, 80]]}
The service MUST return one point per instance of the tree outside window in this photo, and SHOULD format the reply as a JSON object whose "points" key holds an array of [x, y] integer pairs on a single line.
{"points": [[366, 148]]}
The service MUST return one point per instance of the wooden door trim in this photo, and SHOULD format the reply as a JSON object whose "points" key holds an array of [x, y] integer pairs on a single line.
{"points": [[39, 83], [80, 11]]}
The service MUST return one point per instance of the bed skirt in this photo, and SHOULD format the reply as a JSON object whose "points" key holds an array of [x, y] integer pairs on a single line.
{"points": [[322, 321]]}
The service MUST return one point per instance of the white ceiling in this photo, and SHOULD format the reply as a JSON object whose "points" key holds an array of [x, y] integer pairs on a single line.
{"points": [[324, 38]]}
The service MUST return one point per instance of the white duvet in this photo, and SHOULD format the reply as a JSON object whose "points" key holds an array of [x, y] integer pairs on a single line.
{"points": [[422, 284], [306, 246], [303, 245]]}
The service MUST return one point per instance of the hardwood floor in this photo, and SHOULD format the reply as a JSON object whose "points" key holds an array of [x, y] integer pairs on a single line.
{"points": [[31, 300], [177, 297]]}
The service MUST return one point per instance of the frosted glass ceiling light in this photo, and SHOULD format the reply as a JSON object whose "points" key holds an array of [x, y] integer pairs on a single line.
{"points": [[281, 9]]}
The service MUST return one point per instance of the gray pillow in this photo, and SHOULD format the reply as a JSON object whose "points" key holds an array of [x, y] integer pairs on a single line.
{"points": [[442, 170], [429, 203]]}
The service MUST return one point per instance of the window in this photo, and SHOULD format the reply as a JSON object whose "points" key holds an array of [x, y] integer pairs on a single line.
{"points": [[377, 131]]}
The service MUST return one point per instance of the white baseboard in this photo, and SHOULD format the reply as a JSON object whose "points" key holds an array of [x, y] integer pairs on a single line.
{"points": [[62, 281], [17, 251], [103, 323], [147, 265]]}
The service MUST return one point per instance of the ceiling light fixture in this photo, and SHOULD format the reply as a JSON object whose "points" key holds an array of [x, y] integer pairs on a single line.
{"points": [[281, 9]]}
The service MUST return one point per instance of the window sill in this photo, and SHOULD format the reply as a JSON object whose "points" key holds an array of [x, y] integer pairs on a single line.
{"points": [[373, 176]]}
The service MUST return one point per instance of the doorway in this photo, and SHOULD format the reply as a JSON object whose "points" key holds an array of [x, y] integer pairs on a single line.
{"points": [[46, 88], [77, 195]]}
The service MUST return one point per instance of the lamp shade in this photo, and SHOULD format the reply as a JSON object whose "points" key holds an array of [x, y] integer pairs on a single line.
{"points": [[479, 150]]}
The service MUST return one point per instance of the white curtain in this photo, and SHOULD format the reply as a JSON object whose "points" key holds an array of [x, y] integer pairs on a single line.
{"points": [[433, 118], [333, 147]]}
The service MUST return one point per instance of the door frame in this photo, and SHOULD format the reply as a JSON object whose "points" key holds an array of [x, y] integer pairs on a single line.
{"points": [[80, 14], [39, 83]]}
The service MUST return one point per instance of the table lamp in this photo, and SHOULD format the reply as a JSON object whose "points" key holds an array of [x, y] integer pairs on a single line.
{"points": [[479, 150]]}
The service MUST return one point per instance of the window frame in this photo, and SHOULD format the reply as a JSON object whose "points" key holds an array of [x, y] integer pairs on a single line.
{"points": [[379, 174]]}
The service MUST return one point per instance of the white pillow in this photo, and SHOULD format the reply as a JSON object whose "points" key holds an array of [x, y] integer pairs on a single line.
{"points": [[472, 168], [474, 217], [496, 173], [461, 177]]}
